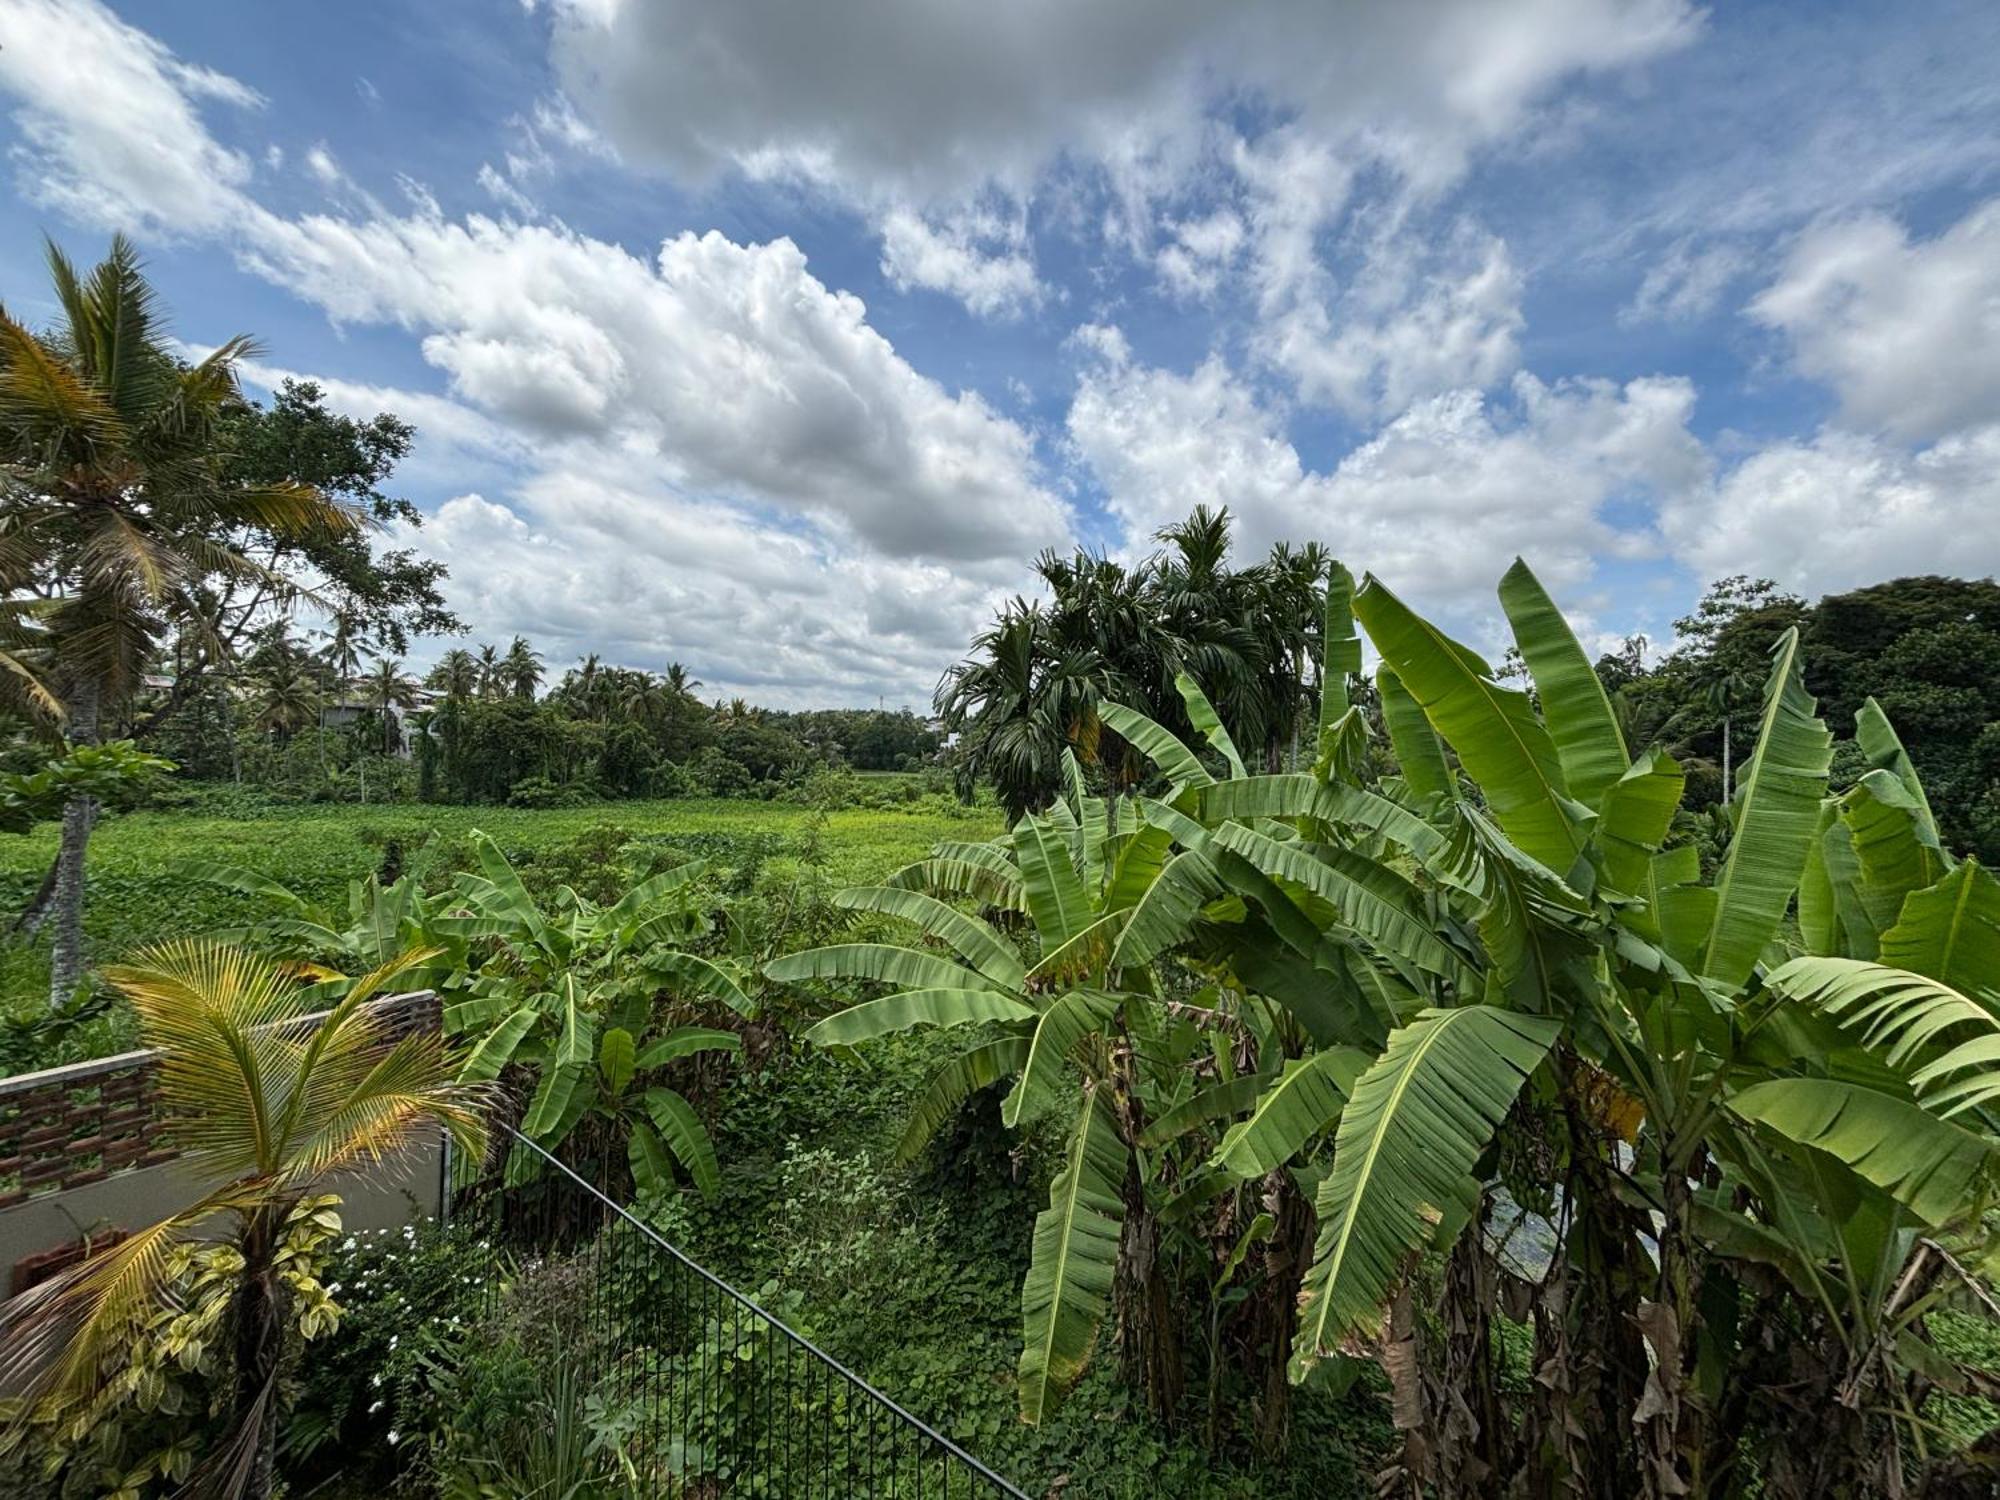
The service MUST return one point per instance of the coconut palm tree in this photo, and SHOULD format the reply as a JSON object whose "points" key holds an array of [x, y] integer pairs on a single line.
{"points": [[456, 675], [492, 676], [273, 1113], [289, 698], [521, 669], [113, 499], [389, 689]]}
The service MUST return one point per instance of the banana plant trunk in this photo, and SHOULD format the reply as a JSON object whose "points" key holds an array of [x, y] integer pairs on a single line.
{"points": [[79, 816]]}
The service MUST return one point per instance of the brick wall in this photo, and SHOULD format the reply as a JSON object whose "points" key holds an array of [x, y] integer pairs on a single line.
{"points": [[70, 1127]]}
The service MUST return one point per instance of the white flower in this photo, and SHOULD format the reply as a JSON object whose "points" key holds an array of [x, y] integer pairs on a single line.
{"points": [[377, 1406], [394, 1438]]}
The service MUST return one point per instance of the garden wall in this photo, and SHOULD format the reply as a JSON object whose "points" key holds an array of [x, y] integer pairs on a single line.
{"points": [[83, 1154]]}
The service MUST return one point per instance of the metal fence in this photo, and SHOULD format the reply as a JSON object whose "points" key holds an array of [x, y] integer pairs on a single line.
{"points": [[713, 1395]]}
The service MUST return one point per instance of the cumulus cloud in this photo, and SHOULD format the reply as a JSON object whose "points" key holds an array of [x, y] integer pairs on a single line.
{"points": [[1845, 509], [939, 99], [1431, 502], [730, 366], [910, 102], [1427, 313], [1907, 333], [975, 255], [644, 577]]}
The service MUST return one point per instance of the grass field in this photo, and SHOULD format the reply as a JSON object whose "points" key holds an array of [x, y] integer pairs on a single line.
{"points": [[138, 895]]}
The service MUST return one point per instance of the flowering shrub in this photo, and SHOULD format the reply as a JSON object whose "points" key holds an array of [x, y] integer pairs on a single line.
{"points": [[406, 1295]]}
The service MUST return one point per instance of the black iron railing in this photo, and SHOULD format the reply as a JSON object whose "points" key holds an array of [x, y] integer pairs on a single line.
{"points": [[709, 1394]]}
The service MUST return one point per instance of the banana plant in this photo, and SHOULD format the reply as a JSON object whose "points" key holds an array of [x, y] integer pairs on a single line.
{"points": [[327, 943], [1075, 1022], [574, 993], [1516, 930]]}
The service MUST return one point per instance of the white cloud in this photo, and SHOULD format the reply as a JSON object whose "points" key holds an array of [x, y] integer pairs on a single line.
{"points": [[1427, 313], [710, 448], [975, 256], [1907, 334], [501, 189], [729, 365], [584, 562], [1435, 503], [1685, 283], [1843, 509], [914, 97], [110, 122], [1199, 251]]}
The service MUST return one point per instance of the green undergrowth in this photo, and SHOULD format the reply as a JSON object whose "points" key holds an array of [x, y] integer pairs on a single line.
{"points": [[137, 894], [913, 1276]]}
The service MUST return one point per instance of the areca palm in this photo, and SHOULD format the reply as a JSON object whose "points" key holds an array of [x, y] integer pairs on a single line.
{"points": [[273, 1112], [113, 495]]}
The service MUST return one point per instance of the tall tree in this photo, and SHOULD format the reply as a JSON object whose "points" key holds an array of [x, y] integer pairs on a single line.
{"points": [[119, 504], [388, 690]]}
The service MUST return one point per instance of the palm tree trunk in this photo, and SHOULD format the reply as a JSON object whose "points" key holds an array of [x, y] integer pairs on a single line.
{"points": [[1728, 781], [259, 1344], [78, 818]]}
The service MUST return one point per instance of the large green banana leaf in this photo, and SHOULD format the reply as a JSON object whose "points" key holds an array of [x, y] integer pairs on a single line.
{"points": [[1635, 813], [954, 1083], [701, 976], [1163, 916], [1950, 931], [1932, 1167], [1777, 814], [1340, 647], [1216, 1102], [906, 968], [496, 1049], [1894, 843], [1530, 920], [1885, 752], [674, 1118], [686, 1041], [1351, 807], [1070, 1017], [1378, 904], [1057, 902], [1947, 1044], [996, 884], [1202, 714], [1073, 1261], [1574, 703], [1414, 1125], [973, 940], [1159, 745], [1419, 754], [1304, 1100], [1500, 742], [911, 1008]]}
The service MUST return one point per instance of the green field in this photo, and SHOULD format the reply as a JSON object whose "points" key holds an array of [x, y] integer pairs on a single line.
{"points": [[138, 893]]}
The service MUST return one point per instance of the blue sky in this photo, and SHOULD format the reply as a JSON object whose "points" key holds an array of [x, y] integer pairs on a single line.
{"points": [[776, 339]]}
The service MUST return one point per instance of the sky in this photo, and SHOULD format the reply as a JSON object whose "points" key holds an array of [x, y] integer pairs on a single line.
{"points": [[777, 338]]}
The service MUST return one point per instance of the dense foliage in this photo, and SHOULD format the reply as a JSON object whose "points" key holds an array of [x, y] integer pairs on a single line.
{"points": [[1490, 991]]}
